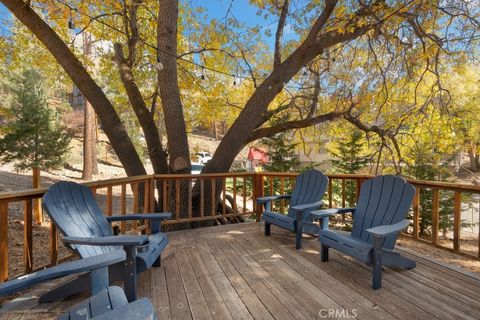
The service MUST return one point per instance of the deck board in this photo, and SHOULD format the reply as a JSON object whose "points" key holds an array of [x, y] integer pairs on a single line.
{"points": [[234, 272]]}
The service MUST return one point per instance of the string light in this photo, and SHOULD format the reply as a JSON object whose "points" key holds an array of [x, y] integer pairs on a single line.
{"points": [[71, 25], [159, 64]]}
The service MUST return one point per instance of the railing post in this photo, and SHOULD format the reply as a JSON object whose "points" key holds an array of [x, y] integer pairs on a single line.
{"points": [[257, 193], [37, 203], [3, 241]]}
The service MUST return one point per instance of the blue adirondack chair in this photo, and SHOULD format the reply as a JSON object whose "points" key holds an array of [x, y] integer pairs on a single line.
{"points": [[106, 302], [111, 304], [75, 212], [306, 196], [378, 219]]}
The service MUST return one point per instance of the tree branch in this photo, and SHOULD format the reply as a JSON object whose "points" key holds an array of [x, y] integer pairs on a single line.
{"points": [[277, 57]]}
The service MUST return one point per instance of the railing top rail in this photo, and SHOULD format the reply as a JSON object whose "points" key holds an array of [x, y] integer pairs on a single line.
{"points": [[205, 175], [421, 183], [36, 193]]}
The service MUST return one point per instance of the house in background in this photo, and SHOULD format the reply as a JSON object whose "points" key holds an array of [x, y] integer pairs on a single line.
{"points": [[256, 157], [314, 151]]}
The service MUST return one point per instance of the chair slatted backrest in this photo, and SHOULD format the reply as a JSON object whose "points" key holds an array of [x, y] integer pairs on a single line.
{"points": [[309, 188], [75, 212], [383, 200]]}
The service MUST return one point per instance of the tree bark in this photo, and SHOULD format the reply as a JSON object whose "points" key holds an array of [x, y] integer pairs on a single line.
{"points": [[157, 155], [179, 157], [111, 123], [473, 162]]}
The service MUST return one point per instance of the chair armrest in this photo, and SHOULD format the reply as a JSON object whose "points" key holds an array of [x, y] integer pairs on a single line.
{"points": [[79, 266], [388, 230], [261, 200], [302, 208], [267, 201], [308, 206], [124, 240], [318, 214], [141, 216]]}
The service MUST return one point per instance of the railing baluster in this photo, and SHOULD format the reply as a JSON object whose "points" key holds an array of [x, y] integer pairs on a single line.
{"points": [[416, 213], [202, 197], [457, 206], [28, 236], [190, 187], [358, 185], [53, 244], [109, 201], [165, 194], [245, 194], [3, 241], [135, 205], [224, 198], [270, 181], [177, 198], [213, 196], [234, 195], [152, 194], [123, 207], [344, 193], [435, 215], [282, 191], [330, 193]]}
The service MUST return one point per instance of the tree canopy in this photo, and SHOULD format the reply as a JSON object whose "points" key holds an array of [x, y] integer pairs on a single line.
{"points": [[381, 66]]}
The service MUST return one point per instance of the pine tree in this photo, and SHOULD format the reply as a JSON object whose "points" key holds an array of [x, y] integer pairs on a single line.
{"points": [[283, 157], [34, 137], [349, 158]]}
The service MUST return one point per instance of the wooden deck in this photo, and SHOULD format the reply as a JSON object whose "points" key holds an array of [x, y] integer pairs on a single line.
{"points": [[234, 272]]}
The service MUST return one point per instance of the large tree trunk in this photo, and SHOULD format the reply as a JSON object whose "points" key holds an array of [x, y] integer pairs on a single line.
{"points": [[111, 123], [473, 163], [156, 153], [179, 157]]}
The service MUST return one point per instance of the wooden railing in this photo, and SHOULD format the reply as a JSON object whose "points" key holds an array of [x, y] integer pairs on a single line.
{"points": [[188, 197], [122, 196]]}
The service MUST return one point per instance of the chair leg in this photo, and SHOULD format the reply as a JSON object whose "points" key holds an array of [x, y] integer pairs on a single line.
{"points": [[267, 229], [158, 262], [298, 236], [130, 274], [377, 263], [323, 253]]}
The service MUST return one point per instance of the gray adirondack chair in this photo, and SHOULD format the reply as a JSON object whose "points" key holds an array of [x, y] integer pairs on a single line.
{"points": [[306, 196], [111, 304], [106, 302], [75, 212], [378, 219]]}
